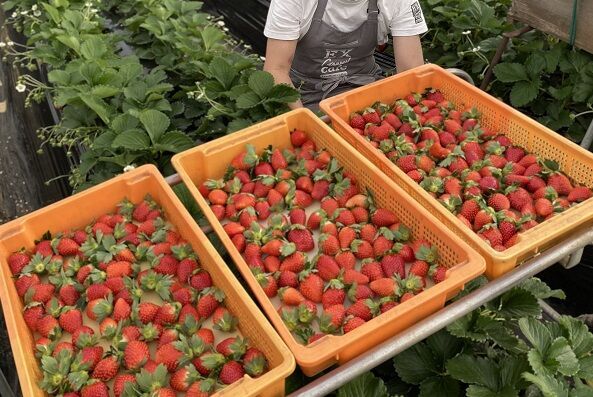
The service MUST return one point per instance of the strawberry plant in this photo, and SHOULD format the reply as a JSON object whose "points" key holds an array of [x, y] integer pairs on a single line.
{"points": [[125, 299], [493, 186], [122, 109], [327, 256]]}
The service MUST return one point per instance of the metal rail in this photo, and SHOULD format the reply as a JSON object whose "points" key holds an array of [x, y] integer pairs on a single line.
{"points": [[418, 332]]}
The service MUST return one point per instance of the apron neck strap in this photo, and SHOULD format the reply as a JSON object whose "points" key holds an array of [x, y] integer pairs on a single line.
{"points": [[320, 10], [373, 10]]}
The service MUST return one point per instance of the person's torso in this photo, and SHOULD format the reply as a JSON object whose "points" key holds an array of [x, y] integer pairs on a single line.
{"points": [[342, 15]]}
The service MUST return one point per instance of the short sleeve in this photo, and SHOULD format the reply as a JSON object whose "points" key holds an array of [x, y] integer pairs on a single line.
{"points": [[408, 19], [284, 20]]}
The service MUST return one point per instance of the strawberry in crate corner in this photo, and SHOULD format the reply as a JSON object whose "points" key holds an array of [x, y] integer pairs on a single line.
{"points": [[324, 253], [125, 300], [493, 186]]}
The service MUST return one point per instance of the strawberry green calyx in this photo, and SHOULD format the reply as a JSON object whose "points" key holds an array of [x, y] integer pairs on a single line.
{"points": [[430, 255], [190, 347], [290, 317], [213, 361], [190, 325], [37, 265], [432, 184], [227, 323], [256, 365], [126, 208], [147, 382], [54, 309], [217, 293], [306, 315], [304, 333], [103, 308], [158, 283], [183, 251], [238, 348], [212, 184], [412, 283], [401, 233], [55, 372], [150, 332], [335, 284]]}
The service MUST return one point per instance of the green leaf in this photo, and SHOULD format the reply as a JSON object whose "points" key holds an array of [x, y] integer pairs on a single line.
{"points": [[577, 333], [59, 77], [516, 303], [261, 83], [535, 64], [135, 139], [541, 290], [223, 71], [367, 385], [586, 368], [510, 72], [548, 385], [536, 333], [238, 124], [523, 92], [69, 41], [481, 391], [552, 58], [248, 100], [104, 91], [416, 364], [444, 345], [93, 48], [468, 327], [211, 36], [474, 370], [561, 93], [53, 12], [97, 105], [282, 93], [155, 123], [561, 356], [124, 122], [581, 390], [442, 386], [511, 369], [175, 142]]}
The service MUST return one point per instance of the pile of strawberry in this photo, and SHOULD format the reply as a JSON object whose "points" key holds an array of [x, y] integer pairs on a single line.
{"points": [[126, 300], [321, 251], [494, 187]]}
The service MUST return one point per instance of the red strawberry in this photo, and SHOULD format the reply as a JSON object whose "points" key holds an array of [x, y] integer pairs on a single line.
{"points": [[519, 198], [370, 115], [331, 319], [372, 270], [438, 275], [201, 280], [353, 323], [121, 310], [362, 249], [560, 183], [352, 276], [167, 265], [543, 207], [346, 236], [384, 286], [294, 263], [333, 296], [168, 313], [169, 356], [365, 309], [493, 236], [579, 193], [499, 202], [393, 264], [67, 247], [96, 389], [17, 262], [209, 302], [302, 238], [32, 315], [71, 320], [329, 244], [119, 269], [25, 281], [327, 267], [419, 268], [231, 372], [97, 291], [268, 284], [357, 121], [120, 382], [106, 369], [311, 287], [290, 296], [298, 138], [40, 292], [383, 217], [288, 279], [136, 354], [92, 355]]}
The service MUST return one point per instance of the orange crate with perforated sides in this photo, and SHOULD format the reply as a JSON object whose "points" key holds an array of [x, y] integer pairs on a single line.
{"points": [[574, 161], [210, 161], [78, 211]]}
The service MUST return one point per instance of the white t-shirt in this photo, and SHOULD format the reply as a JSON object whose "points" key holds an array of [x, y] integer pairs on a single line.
{"points": [[291, 19]]}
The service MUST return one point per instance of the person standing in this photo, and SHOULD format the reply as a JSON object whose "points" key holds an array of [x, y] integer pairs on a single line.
{"points": [[325, 47]]}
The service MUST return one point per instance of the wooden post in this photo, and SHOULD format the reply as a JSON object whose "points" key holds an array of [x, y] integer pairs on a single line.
{"points": [[555, 17]]}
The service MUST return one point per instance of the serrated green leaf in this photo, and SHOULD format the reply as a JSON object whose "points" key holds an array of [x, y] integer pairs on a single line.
{"points": [[562, 358], [248, 100], [444, 346], [577, 333], [211, 36], [224, 72], [416, 364], [261, 83], [548, 385], [541, 290], [466, 327], [69, 41], [104, 91], [474, 370], [536, 361], [238, 124], [581, 390], [515, 303], [511, 369], [510, 72], [536, 333], [59, 77], [93, 48], [97, 105], [282, 93], [552, 58], [134, 139], [155, 123], [174, 142], [367, 385], [481, 391], [561, 93], [523, 92], [442, 386], [586, 368], [535, 64], [124, 122]]}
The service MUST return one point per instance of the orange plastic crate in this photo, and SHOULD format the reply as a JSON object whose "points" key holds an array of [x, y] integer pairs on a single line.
{"points": [[211, 161], [576, 162], [80, 209]]}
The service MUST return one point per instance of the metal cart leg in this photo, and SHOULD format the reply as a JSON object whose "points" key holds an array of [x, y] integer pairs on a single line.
{"points": [[575, 258]]}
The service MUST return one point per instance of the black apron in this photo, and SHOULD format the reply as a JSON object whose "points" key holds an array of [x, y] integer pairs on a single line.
{"points": [[328, 62]]}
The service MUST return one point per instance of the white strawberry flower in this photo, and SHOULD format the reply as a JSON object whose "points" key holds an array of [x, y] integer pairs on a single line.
{"points": [[20, 87], [34, 7], [220, 23], [2, 44], [129, 168]]}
